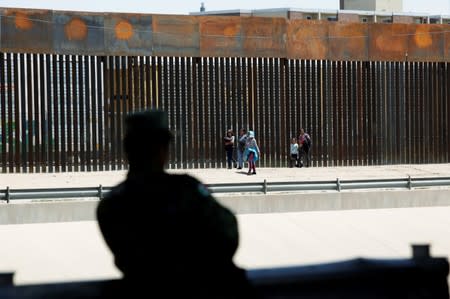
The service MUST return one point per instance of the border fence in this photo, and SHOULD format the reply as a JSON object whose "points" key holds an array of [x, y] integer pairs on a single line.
{"points": [[65, 111]]}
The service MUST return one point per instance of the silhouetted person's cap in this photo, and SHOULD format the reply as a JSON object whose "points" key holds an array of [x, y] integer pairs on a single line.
{"points": [[144, 130], [147, 121]]}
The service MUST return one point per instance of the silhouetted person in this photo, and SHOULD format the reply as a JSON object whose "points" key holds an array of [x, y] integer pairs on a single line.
{"points": [[168, 234]]}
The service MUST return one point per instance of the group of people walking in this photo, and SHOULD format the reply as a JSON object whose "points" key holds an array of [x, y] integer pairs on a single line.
{"points": [[247, 150]]}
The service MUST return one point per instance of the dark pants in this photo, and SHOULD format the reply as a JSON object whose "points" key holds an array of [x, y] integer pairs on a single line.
{"points": [[230, 159], [305, 158], [293, 161]]}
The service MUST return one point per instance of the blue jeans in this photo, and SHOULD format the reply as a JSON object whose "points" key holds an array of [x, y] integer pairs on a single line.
{"points": [[240, 158]]}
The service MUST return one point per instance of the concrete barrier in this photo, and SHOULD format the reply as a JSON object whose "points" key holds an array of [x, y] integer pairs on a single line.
{"points": [[84, 210]]}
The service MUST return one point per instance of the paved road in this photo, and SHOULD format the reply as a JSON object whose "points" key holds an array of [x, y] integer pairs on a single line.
{"points": [[211, 176], [75, 251]]}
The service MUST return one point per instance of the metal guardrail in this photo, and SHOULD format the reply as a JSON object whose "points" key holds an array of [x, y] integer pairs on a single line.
{"points": [[259, 187]]}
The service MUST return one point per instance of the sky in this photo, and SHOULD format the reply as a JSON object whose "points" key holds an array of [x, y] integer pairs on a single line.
{"points": [[440, 7]]}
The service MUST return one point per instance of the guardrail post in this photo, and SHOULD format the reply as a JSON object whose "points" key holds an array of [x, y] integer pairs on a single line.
{"points": [[409, 182], [7, 195], [338, 184], [265, 187], [100, 192]]}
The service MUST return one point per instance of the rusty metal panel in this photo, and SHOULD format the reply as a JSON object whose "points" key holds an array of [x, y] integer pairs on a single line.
{"points": [[388, 42], [307, 39], [263, 37], [426, 42], [78, 32], [348, 41], [26, 30], [220, 36], [175, 35], [446, 46], [128, 34]]}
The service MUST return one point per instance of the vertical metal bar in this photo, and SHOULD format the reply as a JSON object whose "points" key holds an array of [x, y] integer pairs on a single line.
{"points": [[224, 114], [75, 113], [68, 113], [278, 112], [28, 117], [328, 140], [165, 95], [101, 91], [416, 117], [43, 101], [440, 112], [244, 93], [206, 114], [96, 106], [215, 75], [274, 114], [239, 97], [341, 141], [251, 75], [446, 110], [50, 85], [445, 79], [372, 120], [361, 116], [178, 117], [382, 102], [428, 149], [183, 115], [11, 70], [335, 153], [407, 99], [227, 95], [36, 123], [233, 109], [319, 139], [19, 112], [62, 112], [156, 75], [259, 105], [291, 99], [399, 115], [353, 76], [4, 89], [214, 112], [109, 110], [81, 110], [434, 113], [140, 83], [88, 106], [169, 100], [105, 113], [312, 107], [189, 131], [148, 98], [125, 104], [195, 95], [283, 69], [268, 125], [39, 102]]}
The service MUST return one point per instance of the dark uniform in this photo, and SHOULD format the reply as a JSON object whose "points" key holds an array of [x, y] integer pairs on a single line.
{"points": [[169, 234]]}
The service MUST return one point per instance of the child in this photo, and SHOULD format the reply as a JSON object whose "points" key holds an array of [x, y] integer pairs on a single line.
{"points": [[294, 152], [251, 153]]}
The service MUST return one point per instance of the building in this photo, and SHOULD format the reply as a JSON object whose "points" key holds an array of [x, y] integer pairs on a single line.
{"points": [[372, 5], [342, 15]]}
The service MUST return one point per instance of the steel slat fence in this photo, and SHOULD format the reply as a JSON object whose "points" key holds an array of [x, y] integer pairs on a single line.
{"points": [[66, 112]]}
